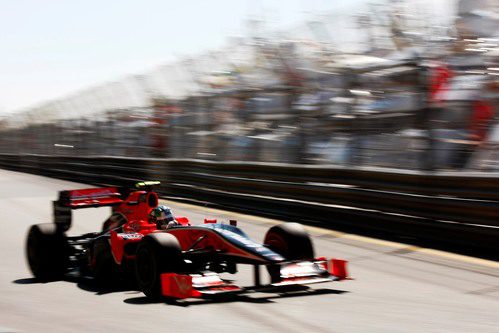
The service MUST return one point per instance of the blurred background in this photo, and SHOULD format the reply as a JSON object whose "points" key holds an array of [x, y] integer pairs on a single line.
{"points": [[390, 83]]}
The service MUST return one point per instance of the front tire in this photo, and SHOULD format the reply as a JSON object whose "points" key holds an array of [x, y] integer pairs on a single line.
{"points": [[47, 251], [291, 241], [157, 253]]}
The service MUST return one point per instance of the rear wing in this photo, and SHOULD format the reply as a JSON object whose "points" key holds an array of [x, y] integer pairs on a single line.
{"points": [[84, 198], [93, 197]]}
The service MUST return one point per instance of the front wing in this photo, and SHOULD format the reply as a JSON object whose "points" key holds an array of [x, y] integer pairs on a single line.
{"points": [[181, 286]]}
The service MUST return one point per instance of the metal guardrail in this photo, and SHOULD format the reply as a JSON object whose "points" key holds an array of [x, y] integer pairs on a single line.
{"points": [[445, 206]]}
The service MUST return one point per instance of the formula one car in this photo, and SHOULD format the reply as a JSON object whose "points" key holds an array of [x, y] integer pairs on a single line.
{"points": [[182, 261]]}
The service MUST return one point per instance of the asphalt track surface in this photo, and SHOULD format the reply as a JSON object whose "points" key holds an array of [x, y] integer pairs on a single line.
{"points": [[397, 288]]}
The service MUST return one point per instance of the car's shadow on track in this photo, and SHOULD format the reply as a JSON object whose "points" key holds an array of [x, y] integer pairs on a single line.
{"points": [[256, 297], [91, 286], [26, 281], [87, 284], [251, 296]]}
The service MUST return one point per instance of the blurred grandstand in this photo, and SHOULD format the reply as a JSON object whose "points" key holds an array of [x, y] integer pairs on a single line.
{"points": [[405, 90]]}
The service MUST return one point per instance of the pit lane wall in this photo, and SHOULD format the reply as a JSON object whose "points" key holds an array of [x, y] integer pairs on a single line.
{"points": [[455, 208]]}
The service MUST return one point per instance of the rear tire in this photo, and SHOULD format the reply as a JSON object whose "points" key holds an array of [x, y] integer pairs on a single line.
{"points": [[291, 241], [157, 253], [47, 251], [105, 269]]}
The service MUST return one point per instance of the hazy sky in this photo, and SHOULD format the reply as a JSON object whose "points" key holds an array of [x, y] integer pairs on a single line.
{"points": [[52, 47], [49, 48]]}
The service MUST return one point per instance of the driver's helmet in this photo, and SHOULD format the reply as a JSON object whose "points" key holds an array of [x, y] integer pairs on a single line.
{"points": [[163, 217]]}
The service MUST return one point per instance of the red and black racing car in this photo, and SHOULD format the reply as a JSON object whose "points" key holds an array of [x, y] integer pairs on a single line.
{"points": [[180, 261]]}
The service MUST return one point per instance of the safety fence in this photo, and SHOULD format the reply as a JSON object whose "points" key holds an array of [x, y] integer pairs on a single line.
{"points": [[456, 208]]}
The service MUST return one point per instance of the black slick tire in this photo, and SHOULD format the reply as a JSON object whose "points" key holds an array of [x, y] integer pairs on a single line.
{"points": [[291, 241], [47, 252], [157, 253], [105, 269]]}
